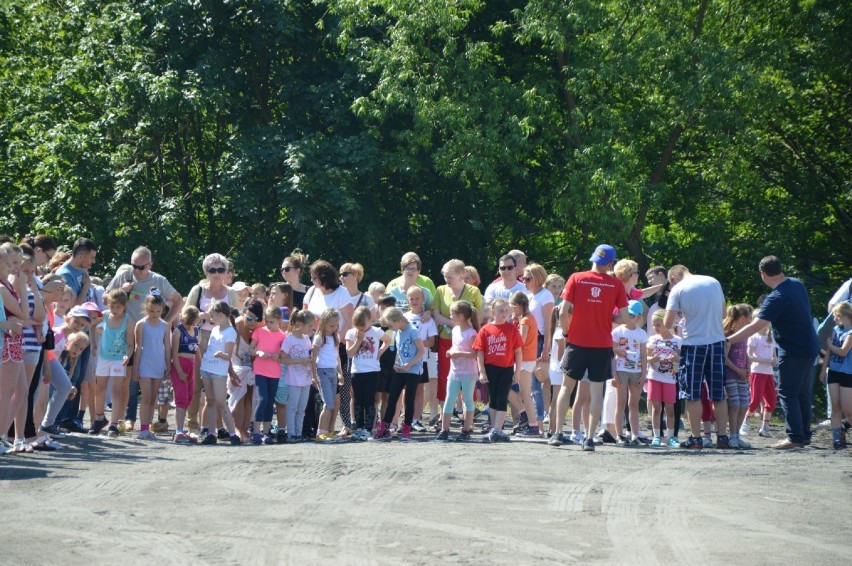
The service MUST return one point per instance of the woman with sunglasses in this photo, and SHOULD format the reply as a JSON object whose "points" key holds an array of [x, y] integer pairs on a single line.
{"points": [[207, 292], [291, 271]]}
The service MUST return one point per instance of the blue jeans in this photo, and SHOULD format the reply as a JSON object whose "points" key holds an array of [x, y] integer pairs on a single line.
{"points": [[70, 408], [266, 388], [132, 401], [537, 393], [795, 395]]}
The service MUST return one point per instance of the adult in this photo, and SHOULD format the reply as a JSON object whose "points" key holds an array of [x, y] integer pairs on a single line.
{"points": [[201, 296], [43, 249], [700, 300], [541, 307], [455, 290], [471, 276], [410, 267], [291, 270], [788, 308], [351, 274], [75, 271], [328, 293], [137, 281], [591, 296], [507, 284]]}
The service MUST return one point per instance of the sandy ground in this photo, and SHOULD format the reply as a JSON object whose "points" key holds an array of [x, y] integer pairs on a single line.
{"points": [[101, 501]]}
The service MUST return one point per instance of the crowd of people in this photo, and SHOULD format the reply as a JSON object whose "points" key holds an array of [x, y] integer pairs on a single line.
{"points": [[292, 361]]}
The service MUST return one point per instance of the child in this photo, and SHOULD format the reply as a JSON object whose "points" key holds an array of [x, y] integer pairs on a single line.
{"points": [[663, 361], [13, 376], [265, 346], [629, 343], [185, 357], [528, 328], [840, 371], [557, 350], [242, 399], [761, 354], [325, 354], [736, 373], [386, 360], [408, 366], [296, 354], [153, 357], [428, 334], [214, 371], [116, 344], [281, 296], [259, 293], [365, 345], [498, 348], [462, 374]]}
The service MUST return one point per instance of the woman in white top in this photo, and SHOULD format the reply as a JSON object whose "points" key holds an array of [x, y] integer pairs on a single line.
{"points": [[351, 275], [541, 307]]}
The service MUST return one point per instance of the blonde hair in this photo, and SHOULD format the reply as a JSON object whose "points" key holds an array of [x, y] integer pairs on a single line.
{"points": [[116, 296], [554, 277], [538, 273], [362, 316], [625, 268], [466, 309], [189, 315], [392, 314], [735, 313], [843, 308], [328, 316], [454, 266], [355, 268]]}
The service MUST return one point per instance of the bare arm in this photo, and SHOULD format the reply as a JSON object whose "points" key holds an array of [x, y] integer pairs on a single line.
{"points": [[743, 333], [547, 313], [565, 317], [843, 349]]}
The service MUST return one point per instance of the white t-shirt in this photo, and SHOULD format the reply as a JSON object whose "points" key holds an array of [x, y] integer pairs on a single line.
{"points": [[761, 347], [537, 302], [328, 353], [666, 370], [629, 340], [366, 359], [498, 290], [298, 375], [555, 360], [426, 330], [218, 341], [366, 301], [335, 300], [700, 300], [463, 342]]}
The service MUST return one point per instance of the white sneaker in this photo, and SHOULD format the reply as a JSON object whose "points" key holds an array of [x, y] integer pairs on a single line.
{"points": [[707, 441], [578, 436], [743, 444], [744, 429], [546, 419], [764, 432]]}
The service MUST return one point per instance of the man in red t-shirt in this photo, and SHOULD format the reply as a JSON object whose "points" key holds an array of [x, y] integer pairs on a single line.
{"points": [[593, 296]]}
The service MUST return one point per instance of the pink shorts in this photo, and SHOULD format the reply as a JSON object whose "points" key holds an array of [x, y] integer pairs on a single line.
{"points": [[664, 392], [183, 389]]}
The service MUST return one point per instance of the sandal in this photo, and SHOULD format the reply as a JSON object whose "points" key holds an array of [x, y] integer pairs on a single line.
{"points": [[345, 432], [22, 448]]}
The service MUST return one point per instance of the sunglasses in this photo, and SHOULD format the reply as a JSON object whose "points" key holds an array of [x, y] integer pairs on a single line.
{"points": [[216, 270], [526, 279], [140, 267], [251, 318], [507, 267], [287, 268], [346, 274]]}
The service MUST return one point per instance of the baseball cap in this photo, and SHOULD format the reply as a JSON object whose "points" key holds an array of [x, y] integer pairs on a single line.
{"points": [[240, 286], [80, 311], [91, 307], [604, 254], [634, 308]]}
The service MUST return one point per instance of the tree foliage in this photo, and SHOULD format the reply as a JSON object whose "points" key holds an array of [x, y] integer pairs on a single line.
{"points": [[707, 133]]}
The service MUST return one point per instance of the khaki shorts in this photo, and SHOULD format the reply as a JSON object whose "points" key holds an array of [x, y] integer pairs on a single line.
{"points": [[628, 378]]}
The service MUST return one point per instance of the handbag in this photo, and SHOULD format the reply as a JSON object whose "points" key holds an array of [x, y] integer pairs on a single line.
{"points": [[49, 340]]}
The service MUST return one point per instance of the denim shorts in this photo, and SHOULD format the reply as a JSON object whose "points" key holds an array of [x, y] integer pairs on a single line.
{"points": [[208, 375], [283, 393]]}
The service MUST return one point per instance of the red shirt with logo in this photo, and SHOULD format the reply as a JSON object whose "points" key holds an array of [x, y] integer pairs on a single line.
{"points": [[499, 342], [595, 297]]}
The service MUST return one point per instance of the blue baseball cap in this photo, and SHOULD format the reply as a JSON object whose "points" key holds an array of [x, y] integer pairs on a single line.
{"points": [[604, 254], [635, 308]]}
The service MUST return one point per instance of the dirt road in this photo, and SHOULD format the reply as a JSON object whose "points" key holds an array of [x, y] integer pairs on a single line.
{"points": [[128, 502]]}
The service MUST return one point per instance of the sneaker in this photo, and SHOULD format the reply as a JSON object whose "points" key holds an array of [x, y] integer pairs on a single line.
{"points": [[656, 442], [577, 437], [486, 428], [765, 433], [838, 444], [52, 430], [786, 444], [235, 440], [405, 432], [382, 433], [588, 445], [463, 436], [417, 426], [160, 428], [181, 438], [607, 438], [122, 428], [743, 444], [112, 431], [634, 443], [281, 436], [434, 420], [530, 432], [673, 442], [744, 429], [557, 439], [825, 424], [443, 436], [256, 438], [75, 425], [733, 443], [222, 434], [546, 419], [722, 442], [98, 425], [129, 425], [209, 440], [692, 443], [146, 435], [503, 437], [621, 442], [493, 436], [706, 442]]}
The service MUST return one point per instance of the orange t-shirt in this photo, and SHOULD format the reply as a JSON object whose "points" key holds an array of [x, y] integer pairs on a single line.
{"points": [[529, 352]]}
